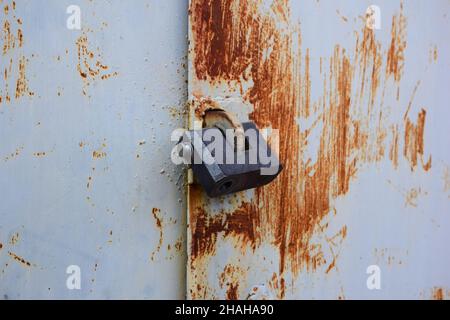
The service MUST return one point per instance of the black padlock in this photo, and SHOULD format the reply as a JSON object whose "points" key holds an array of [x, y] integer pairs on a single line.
{"points": [[212, 166]]}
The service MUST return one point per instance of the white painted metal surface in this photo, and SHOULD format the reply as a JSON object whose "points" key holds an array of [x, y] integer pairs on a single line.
{"points": [[85, 172]]}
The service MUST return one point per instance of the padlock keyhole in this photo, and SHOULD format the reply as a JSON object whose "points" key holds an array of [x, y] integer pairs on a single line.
{"points": [[226, 186]]}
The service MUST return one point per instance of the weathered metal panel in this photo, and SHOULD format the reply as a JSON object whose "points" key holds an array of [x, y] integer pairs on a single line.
{"points": [[363, 121], [85, 123]]}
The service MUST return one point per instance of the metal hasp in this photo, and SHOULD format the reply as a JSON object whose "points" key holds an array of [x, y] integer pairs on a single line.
{"points": [[222, 167]]}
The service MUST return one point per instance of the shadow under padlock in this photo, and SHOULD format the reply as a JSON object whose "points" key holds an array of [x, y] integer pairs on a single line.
{"points": [[228, 157]]}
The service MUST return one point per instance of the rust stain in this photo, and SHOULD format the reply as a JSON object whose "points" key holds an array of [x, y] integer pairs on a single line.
{"points": [[390, 256], [159, 224], [179, 245], [10, 38], [11, 42], [13, 155], [439, 294], [396, 53], [412, 196], [343, 18], [232, 292], [277, 285], [40, 154], [334, 244], [19, 259], [22, 88], [20, 37], [393, 151], [241, 224], [88, 184], [89, 64], [236, 43], [14, 239], [99, 153], [414, 142], [435, 293], [229, 279], [433, 54], [204, 105]]}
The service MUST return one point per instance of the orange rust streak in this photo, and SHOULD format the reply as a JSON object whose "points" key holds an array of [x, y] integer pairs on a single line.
{"points": [[159, 224], [22, 82], [230, 278], [90, 68], [393, 151], [242, 224], [396, 53], [413, 149], [19, 259], [12, 38], [232, 292], [439, 293]]}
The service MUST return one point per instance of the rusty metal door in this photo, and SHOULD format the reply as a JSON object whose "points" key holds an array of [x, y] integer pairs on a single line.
{"points": [[358, 91], [86, 183]]}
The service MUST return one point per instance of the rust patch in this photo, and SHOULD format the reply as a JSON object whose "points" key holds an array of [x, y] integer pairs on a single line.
{"points": [[204, 105], [232, 292], [241, 224], [89, 183], [179, 245], [277, 285], [11, 42], [14, 239], [435, 293], [99, 153], [334, 244], [89, 64], [396, 53], [22, 82], [11, 39], [439, 294], [393, 151], [414, 142], [412, 196], [40, 154], [159, 224], [13, 155], [229, 279], [236, 43], [433, 55], [19, 259], [343, 18], [390, 256]]}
